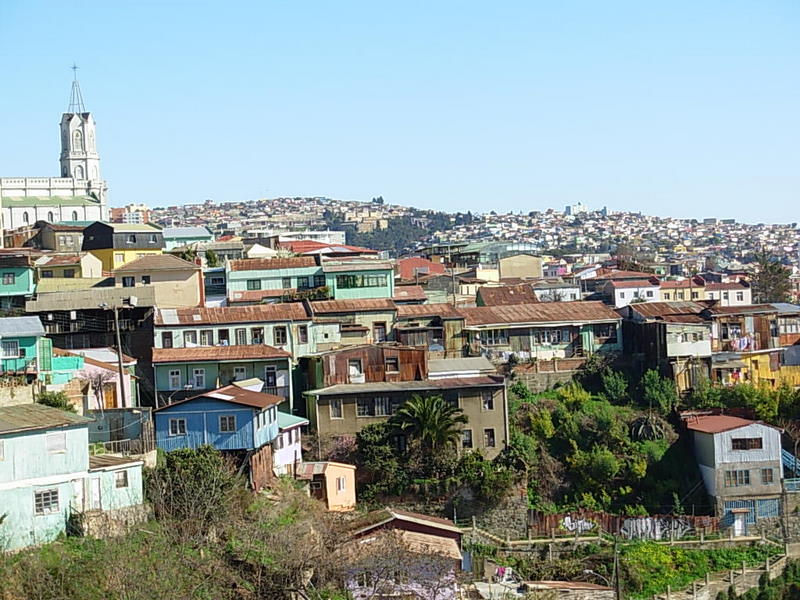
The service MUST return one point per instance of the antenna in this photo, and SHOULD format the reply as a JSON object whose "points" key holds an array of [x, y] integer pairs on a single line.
{"points": [[75, 97]]}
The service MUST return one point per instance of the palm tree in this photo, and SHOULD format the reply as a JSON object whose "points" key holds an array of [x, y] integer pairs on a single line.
{"points": [[431, 421]]}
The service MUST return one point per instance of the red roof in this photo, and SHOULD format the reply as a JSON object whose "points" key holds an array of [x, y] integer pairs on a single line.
{"points": [[409, 293], [734, 285], [507, 294], [288, 311], [315, 247], [443, 310], [716, 423], [623, 275], [268, 264], [217, 353], [340, 306], [543, 312], [235, 394], [636, 283], [408, 268], [251, 296]]}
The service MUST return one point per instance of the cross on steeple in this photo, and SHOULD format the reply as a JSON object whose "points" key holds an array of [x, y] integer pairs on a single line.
{"points": [[76, 98]]}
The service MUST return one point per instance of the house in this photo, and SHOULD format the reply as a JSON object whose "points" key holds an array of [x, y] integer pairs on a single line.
{"points": [[354, 387], [505, 295], [740, 462], [409, 294], [287, 275], [370, 320], [671, 337], [68, 266], [623, 292], [359, 279], [176, 283], [58, 237], [287, 448], [100, 380], [330, 249], [556, 290], [47, 476], [543, 330], [394, 553], [734, 293], [181, 236], [27, 353], [117, 244], [232, 419], [17, 280], [411, 268], [333, 483], [438, 328]]}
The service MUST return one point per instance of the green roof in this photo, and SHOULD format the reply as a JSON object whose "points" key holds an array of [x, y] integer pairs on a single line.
{"points": [[48, 285], [285, 420], [31, 201], [75, 223]]}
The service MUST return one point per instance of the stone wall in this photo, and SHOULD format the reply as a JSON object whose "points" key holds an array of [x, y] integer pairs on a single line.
{"points": [[540, 382], [113, 523], [506, 519], [12, 394]]}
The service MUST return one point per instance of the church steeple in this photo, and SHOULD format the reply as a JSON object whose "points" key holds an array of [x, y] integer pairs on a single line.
{"points": [[79, 158]]}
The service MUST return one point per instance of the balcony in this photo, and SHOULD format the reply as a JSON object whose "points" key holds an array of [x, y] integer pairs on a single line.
{"points": [[281, 390]]}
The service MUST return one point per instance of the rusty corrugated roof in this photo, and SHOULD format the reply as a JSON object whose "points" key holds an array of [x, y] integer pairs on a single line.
{"points": [[653, 310], [507, 294], [716, 423], [543, 312], [443, 310], [269, 264], [239, 296], [409, 293], [217, 353], [234, 394], [321, 307], [289, 311]]}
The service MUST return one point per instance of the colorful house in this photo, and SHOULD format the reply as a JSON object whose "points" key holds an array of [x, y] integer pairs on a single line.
{"points": [[27, 352], [47, 475], [181, 236], [69, 266], [17, 281], [117, 244], [287, 451]]}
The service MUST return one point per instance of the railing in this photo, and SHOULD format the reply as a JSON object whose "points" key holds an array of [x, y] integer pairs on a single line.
{"points": [[17, 365], [281, 390], [792, 485], [123, 447]]}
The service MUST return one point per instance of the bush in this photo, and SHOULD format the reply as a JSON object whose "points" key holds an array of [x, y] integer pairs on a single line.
{"points": [[58, 400]]}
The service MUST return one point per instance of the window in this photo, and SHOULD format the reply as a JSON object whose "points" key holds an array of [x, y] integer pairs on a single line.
{"points": [[279, 336], [606, 331], [174, 379], [364, 407], [730, 330], [47, 274], [360, 281], [199, 379], [166, 339], [336, 408], [740, 296], [747, 443], [725, 295], [319, 280], [119, 258], [121, 479], [649, 293], [207, 337], [217, 281], [466, 438], [153, 238], [227, 423], [354, 367], [128, 281], [69, 273], [74, 215], [487, 399], [25, 218], [189, 338], [286, 283], [9, 278], [379, 332], [253, 284], [10, 349], [315, 485], [392, 364], [270, 376], [241, 337], [238, 373], [302, 283], [737, 478], [494, 337], [223, 337], [488, 438], [50, 216], [257, 335], [145, 279], [383, 407], [45, 502], [56, 442], [666, 295], [622, 294], [177, 427], [302, 334], [767, 476], [341, 485]]}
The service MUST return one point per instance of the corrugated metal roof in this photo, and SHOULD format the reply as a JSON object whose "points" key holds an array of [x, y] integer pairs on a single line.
{"points": [[60, 260], [747, 309], [106, 461], [408, 386], [270, 264], [157, 262], [507, 294], [238, 297], [357, 266], [444, 365], [409, 293], [28, 417], [443, 310], [320, 307], [21, 327], [289, 311], [716, 423], [217, 353], [543, 312], [235, 395], [186, 232], [285, 421], [651, 310]]}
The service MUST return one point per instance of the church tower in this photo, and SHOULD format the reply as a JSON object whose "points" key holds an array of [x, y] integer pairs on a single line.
{"points": [[79, 158]]}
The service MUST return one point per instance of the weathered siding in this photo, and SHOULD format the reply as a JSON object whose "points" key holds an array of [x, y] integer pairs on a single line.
{"points": [[202, 426]]}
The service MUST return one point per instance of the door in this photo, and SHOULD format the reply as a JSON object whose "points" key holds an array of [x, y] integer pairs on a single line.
{"points": [[110, 395], [94, 493], [739, 523]]}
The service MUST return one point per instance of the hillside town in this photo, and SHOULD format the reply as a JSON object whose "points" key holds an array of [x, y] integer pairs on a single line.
{"points": [[487, 412]]}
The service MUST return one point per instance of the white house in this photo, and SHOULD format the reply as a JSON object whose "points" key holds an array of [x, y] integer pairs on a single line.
{"points": [[736, 293], [287, 447], [622, 293], [740, 462]]}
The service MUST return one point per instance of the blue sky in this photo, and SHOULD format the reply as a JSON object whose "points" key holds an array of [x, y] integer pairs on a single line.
{"points": [[677, 108]]}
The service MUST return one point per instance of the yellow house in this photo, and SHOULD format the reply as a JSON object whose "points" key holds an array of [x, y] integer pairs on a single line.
{"points": [[69, 266], [765, 368], [117, 244], [333, 483]]}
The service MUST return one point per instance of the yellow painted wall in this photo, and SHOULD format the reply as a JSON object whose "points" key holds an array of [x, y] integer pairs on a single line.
{"points": [[759, 371], [107, 256]]}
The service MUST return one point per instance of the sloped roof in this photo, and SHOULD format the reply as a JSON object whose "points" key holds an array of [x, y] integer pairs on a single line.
{"points": [[634, 283], [622, 275], [378, 387], [271, 264], [443, 310], [380, 517], [157, 262], [507, 294], [315, 247], [60, 260], [661, 310], [717, 423], [286, 421], [247, 296], [543, 312], [186, 232], [409, 293], [21, 327], [30, 201], [217, 353], [235, 395], [28, 417], [715, 309], [288, 311], [320, 307]]}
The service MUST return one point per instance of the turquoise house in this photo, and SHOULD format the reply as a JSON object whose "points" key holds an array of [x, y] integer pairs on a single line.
{"points": [[46, 475], [357, 280], [175, 237], [25, 351], [17, 282]]}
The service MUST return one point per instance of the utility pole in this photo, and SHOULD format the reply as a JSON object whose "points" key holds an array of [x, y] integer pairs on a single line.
{"points": [[617, 586], [114, 309]]}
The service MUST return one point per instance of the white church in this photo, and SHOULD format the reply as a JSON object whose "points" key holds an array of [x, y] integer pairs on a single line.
{"points": [[78, 194]]}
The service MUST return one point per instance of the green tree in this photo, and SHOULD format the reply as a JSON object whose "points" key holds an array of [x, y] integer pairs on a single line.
{"points": [[430, 421], [212, 260], [771, 281], [615, 387], [658, 392], [58, 400]]}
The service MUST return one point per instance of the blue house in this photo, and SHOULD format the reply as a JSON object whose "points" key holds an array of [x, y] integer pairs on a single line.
{"points": [[47, 475], [233, 419]]}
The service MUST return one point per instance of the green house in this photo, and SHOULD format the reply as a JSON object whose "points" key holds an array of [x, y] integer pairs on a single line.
{"points": [[25, 351], [359, 280], [17, 282]]}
